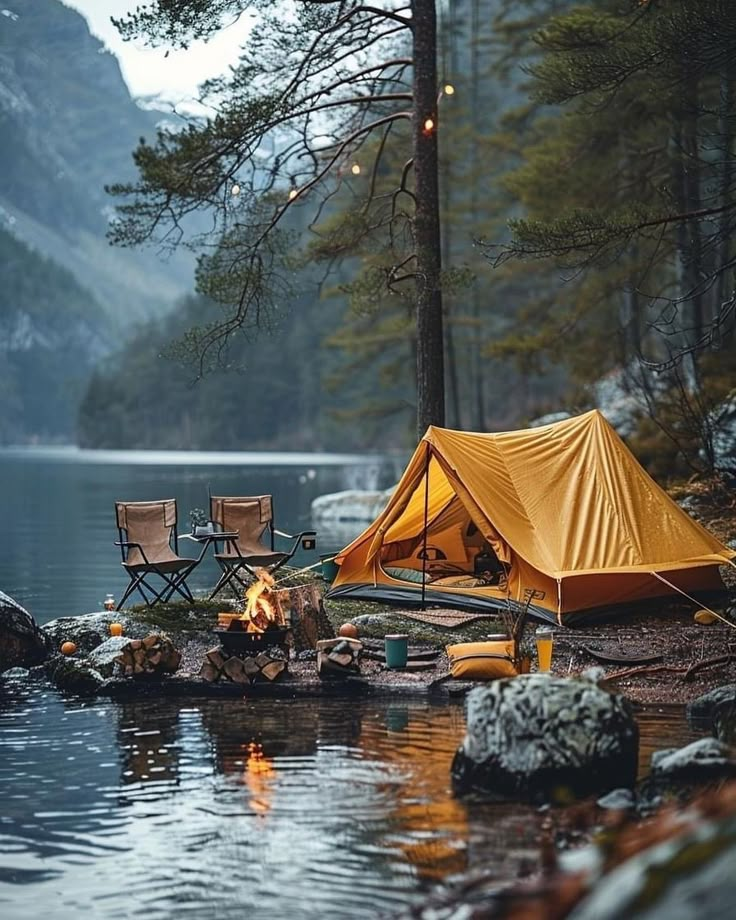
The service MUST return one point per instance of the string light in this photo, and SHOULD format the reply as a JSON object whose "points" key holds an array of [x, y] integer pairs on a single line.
{"points": [[449, 89], [355, 169], [235, 190], [292, 194], [428, 124]]}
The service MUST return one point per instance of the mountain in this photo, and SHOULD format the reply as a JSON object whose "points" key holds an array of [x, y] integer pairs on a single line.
{"points": [[52, 335], [69, 126]]}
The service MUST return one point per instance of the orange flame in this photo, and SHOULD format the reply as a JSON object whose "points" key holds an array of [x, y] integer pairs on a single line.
{"points": [[261, 607]]}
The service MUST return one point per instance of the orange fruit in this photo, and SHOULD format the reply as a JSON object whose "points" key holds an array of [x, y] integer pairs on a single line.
{"points": [[68, 648], [348, 630]]}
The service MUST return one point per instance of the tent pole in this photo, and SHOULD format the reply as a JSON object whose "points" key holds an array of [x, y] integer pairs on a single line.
{"points": [[424, 537]]}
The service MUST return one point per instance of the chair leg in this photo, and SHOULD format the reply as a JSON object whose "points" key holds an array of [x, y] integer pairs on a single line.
{"points": [[230, 574]]}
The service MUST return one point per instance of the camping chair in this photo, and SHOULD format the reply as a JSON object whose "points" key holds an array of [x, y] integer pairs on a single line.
{"points": [[249, 517], [146, 529]]}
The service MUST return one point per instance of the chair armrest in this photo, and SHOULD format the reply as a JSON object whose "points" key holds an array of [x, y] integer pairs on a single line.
{"points": [[297, 538], [128, 543]]}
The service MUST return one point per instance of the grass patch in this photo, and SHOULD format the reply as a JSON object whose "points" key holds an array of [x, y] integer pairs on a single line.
{"points": [[178, 617]]}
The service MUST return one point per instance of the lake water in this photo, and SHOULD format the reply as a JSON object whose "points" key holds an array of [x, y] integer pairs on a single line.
{"points": [[57, 517], [228, 808], [224, 809]]}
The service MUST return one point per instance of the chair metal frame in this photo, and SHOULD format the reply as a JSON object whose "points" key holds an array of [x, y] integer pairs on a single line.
{"points": [[232, 566], [174, 580]]}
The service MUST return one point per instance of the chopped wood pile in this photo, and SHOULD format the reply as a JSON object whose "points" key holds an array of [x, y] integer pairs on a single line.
{"points": [[338, 657], [219, 666], [155, 654]]}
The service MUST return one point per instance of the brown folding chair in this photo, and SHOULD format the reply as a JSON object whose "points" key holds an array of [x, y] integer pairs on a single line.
{"points": [[250, 517], [146, 530]]}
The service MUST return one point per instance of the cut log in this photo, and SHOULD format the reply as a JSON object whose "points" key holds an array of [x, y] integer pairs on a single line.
{"points": [[235, 670], [134, 645], [151, 640], [216, 658], [262, 659], [209, 672], [251, 667], [273, 669]]}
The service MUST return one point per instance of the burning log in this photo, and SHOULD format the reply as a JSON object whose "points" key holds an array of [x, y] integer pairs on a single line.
{"points": [[155, 654], [219, 666], [338, 657]]}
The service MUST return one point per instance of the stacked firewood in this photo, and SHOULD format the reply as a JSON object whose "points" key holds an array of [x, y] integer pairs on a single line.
{"points": [[155, 654], [338, 657], [218, 665]]}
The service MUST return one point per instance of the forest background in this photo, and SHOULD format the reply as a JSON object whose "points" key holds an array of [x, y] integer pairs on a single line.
{"points": [[586, 183]]}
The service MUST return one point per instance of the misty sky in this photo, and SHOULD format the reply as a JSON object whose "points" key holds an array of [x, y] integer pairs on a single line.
{"points": [[147, 71]]}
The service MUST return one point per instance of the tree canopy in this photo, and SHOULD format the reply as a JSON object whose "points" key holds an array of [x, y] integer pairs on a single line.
{"points": [[318, 96]]}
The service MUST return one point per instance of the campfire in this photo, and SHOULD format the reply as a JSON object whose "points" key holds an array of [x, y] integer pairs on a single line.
{"points": [[262, 622], [262, 606]]}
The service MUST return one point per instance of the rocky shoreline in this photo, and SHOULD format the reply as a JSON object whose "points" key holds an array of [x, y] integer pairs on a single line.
{"points": [[561, 757]]}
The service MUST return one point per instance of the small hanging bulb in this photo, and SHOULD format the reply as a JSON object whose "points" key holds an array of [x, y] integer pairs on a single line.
{"points": [[428, 124], [292, 194], [449, 89], [355, 169], [235, 190]]}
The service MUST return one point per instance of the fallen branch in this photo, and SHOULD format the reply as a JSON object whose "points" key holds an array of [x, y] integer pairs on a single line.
{"points": [[706, 663], [644, 669], [687, 670]]}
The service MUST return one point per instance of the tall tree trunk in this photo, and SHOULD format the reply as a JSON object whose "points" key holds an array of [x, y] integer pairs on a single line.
{"points": [[724, 288], [477, 362], [452, 382], [430, 338], [687, 189]]}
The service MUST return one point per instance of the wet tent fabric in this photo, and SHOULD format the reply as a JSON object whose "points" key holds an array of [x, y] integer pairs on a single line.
{"points": [[566, 507]]}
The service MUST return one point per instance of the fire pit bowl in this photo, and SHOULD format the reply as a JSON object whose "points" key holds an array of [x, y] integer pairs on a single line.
{"points": [[240, 642]]}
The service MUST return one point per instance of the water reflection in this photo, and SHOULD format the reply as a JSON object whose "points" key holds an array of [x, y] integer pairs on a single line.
{"points": [[281, 808]]}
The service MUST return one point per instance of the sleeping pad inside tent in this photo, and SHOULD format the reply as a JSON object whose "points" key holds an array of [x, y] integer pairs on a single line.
{"points": [[561, 516]]}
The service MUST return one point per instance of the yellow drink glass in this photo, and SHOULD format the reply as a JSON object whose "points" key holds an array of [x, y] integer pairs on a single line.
{"points": [[543, 637]]}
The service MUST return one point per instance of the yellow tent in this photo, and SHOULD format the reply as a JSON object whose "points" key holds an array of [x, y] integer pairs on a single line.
{"points": [[564, 512]]}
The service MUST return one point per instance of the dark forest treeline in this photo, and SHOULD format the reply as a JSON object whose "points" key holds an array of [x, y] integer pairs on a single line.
{"points": [[590, 148]]}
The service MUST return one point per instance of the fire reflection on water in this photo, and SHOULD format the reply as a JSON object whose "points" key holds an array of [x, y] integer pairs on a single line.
{"points": [[258, 775]]}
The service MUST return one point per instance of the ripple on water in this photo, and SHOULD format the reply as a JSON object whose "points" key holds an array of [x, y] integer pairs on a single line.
{"points": [[302, 809]]}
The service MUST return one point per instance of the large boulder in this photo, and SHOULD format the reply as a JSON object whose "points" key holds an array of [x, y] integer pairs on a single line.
{"points": [[543, 738], [706, 706], [103, 657], [352, 505], [74, 675], [717, 709], [22, 642], [681, 877], [700, 762], [89, 630]]}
